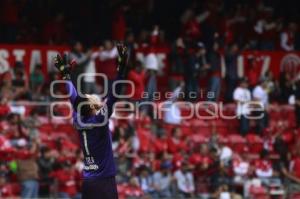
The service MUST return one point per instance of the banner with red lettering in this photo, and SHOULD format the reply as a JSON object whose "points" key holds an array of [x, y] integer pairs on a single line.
{"points": [[273, 61], [31, 55]]}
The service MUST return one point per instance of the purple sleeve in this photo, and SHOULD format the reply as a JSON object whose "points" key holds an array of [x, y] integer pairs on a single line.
{"points": [[111, 100], [72, 92]]}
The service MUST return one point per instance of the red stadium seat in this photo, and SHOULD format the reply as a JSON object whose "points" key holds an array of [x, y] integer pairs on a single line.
{"points": [[66, 128], [46, 128], [255, 143], [4, 110], [258, 193], [237, 143], [199, 138], [295, 196]]}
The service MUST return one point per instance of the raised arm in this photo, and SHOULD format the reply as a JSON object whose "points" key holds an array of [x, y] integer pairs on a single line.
{"points": [[64, 68], [122, 69]]}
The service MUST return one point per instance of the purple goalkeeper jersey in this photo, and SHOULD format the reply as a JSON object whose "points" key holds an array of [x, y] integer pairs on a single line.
{"points": [[95, 138]]}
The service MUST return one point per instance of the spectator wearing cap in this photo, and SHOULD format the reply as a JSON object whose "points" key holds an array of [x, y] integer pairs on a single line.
{"points": [[162, 180], [242, 96], [260, 94], [185, 181]]}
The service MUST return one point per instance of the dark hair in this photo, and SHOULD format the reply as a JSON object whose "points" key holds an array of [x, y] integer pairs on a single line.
{"points": [[264, 154], [11, 116], [84, 109], [173, 131]]}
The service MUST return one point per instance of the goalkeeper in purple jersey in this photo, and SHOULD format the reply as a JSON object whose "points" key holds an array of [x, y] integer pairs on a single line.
{"points": [[90, 117]]}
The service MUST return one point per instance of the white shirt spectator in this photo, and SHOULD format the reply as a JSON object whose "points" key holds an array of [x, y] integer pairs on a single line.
{"points": [[146, 183], [172, 114], [225, 154], [185, 181], [261, 95], [162, 181], [241, 168], [284, 42], [263, 169], [242, 96], [108, 54], [151, 62], [17, 109], [225, 195], [90, 72]]}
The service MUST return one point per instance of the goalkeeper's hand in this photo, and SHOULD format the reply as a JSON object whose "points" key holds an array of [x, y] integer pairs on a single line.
{"points": [[62, 66], [122, 60]]}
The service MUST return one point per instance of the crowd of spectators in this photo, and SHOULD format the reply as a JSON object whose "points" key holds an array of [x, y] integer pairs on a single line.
{"points": [[164, 157], [261, 24]]}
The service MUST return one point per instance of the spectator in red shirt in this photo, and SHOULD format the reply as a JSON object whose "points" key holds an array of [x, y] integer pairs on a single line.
{"points": [[137, 76], [66, 179], [241, 168], [107, 60], [190, 25], [264, 170], [175, 142], [252, 71], [133, 189], [201, 161], [161, 143], [6, 190]]}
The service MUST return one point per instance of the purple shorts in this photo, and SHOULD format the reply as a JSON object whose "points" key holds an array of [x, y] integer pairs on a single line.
{"points": [[105, 188]]}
